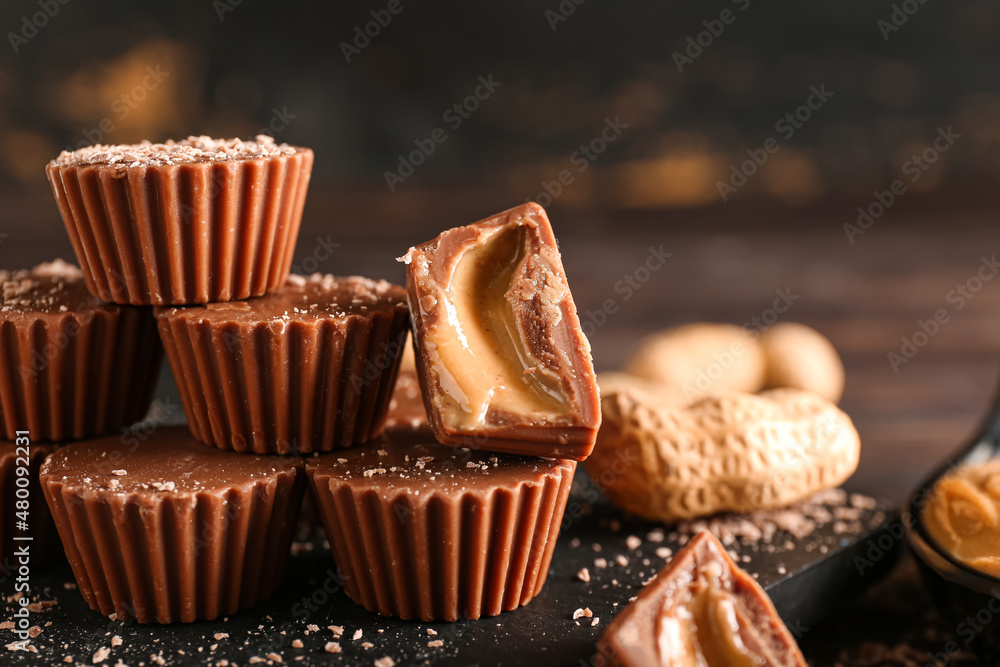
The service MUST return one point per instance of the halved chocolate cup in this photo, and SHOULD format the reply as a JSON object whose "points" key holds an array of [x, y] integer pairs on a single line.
{"points": [[503, 361], [701, 609], [422, 530]]}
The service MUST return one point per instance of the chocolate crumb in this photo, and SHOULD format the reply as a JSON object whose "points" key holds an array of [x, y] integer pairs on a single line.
{"points": [[192, 149]]}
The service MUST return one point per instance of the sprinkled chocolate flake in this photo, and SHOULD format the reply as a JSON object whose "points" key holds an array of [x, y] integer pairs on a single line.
{"points": [[186, 151]]}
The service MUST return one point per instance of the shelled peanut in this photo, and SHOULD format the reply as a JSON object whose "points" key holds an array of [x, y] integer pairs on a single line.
{"points": [[727, 452], [702, 359]]}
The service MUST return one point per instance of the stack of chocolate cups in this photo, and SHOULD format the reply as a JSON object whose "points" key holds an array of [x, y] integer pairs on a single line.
{"points": [[288, 380], [156, 525], [455, 510]]}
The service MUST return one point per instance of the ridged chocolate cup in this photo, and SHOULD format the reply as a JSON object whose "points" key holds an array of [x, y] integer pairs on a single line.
{"points": [[81, 372], [443, 541], [273, 376], [190, 533], [43, 547], [195, 232]]}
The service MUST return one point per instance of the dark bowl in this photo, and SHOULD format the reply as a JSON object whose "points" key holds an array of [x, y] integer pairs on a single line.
{"points": [[971, 599]]}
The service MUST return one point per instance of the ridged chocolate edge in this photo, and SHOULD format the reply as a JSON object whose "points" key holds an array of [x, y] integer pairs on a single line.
{"points": [[43, 546], [309, 388], [435, 557], [186, 556], [188, 233], [78, 375]]}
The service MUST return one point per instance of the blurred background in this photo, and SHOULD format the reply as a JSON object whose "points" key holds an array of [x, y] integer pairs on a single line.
{"points": [[757, 143]]}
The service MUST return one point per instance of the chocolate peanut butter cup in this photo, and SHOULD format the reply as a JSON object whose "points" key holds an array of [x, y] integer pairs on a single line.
{"points": [[168, 530], [189, 221], [71, 366], [423, 530], [24, 505], [307, 368], [701, 609], [503, 361]]}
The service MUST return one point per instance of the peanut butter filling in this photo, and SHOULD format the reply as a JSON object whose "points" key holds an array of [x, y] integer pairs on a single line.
{"points": [[962, 514], [477, 351], [705, 629]]}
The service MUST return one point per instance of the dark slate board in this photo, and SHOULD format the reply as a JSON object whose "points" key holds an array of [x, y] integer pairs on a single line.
{"points": [[807, 582], [543, 632]]}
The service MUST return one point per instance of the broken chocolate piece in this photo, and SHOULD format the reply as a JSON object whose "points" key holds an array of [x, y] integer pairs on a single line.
{"points": [[503, 361], [702, 610]]}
